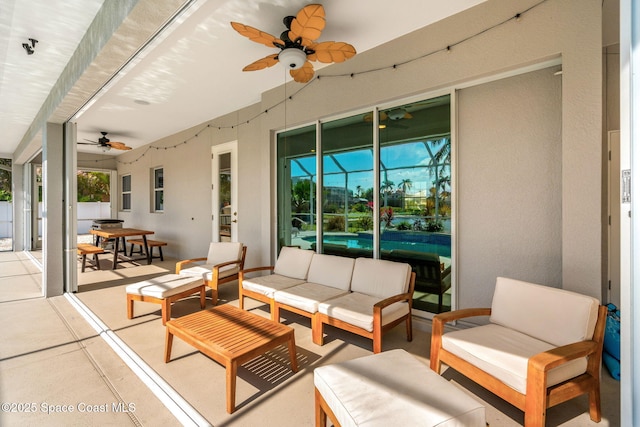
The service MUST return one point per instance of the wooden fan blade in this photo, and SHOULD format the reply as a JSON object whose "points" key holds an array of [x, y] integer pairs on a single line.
{"points": [[256, 35], [88, 143], [328, 52], [308, 24], [303, 74], [118, 145], [260, 64], [369, 117]]}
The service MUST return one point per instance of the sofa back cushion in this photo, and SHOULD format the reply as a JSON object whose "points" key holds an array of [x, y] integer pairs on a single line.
{"points": [[293, 262], [380, 278], [220, 252], [553, 315], [331, 270]]}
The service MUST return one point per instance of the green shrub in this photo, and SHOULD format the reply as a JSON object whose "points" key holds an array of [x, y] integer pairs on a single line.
{"points": [[335, 223], [404, 225]]}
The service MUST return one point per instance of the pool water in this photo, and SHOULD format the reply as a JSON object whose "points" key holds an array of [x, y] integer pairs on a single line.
{"points": [[411, 241]]}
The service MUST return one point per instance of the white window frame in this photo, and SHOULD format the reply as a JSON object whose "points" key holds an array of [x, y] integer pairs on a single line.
{"points": [[124, 192], [155, 191]]}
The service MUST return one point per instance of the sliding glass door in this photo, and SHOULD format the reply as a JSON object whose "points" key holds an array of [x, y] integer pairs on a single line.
{"points": [[330, 201]]}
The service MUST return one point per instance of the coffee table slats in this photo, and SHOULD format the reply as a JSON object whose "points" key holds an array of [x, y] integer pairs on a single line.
{"points": [[230, 336]]}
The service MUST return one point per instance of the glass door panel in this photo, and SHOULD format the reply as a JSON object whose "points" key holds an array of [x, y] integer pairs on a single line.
{"points": [[297, 188], [347, 186], [415, 196]]}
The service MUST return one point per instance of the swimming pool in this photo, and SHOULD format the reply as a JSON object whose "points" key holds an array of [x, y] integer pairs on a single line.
{"points": [[410, 240]]}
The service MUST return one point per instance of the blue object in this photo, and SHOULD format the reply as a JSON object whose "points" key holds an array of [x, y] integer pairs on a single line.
{"points": [[612, 364], [612, 332]]}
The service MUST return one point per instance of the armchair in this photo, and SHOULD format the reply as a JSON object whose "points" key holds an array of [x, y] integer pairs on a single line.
{"points": [[541, 347], [221, 265]]}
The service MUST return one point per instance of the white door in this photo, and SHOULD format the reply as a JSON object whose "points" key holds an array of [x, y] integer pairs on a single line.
{"points": [[225, 192]]}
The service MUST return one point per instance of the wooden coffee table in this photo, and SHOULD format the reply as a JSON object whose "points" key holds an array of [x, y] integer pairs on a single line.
{"points": [[231, 337]]}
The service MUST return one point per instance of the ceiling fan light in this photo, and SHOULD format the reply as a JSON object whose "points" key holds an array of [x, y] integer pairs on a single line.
{"points": [[105, 148], [396, 114], [292, 58]]}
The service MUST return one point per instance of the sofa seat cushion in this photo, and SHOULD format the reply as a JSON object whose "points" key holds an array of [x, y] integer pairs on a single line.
{"points": [[557, 316], [504, 353], [307, 296], [164, 286], [331, 270], [380, 278], [268, 285], [393, 388], [204, 271], [293, 262], [357, 309]]}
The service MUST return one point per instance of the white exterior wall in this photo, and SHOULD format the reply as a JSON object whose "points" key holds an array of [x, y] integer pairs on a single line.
{"points": [[565, 30]]}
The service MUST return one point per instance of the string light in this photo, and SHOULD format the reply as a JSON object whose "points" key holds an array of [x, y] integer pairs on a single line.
{"points": [[448, 49]]}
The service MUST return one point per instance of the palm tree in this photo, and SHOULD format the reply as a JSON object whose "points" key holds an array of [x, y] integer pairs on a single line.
{"points": [[386, 187], [439, 160], [405, 185]]}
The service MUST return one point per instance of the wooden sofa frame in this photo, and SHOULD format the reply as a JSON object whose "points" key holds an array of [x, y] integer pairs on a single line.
{"points": [[538, 397], [318, 320]]}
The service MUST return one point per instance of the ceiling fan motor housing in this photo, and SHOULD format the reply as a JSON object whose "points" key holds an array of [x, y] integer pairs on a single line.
{"points": [[293, 58]]}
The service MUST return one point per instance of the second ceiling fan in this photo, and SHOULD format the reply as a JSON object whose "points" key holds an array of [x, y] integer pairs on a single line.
{"points": [[106, 144]]}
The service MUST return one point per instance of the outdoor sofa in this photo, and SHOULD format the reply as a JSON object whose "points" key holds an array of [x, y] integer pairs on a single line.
{"points": [[364, 296]]}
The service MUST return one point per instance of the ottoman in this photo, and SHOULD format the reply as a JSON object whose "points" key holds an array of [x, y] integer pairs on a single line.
{"points": [[165, 290], [391, 388]]}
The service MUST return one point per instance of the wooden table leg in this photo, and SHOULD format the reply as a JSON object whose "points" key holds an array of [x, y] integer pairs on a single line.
{"points": [[232, 372], [146, 249], [292, 353], [116, 246], [167, 346]]}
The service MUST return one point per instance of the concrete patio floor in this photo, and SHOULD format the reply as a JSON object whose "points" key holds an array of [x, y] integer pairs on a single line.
{"points": [[53, 358]]}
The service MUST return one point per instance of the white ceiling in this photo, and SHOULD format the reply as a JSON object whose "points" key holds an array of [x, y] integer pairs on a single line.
{"points": [[192, 75]]}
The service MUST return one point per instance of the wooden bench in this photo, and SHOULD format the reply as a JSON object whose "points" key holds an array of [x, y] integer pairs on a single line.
{"points": [[85, 249], [150, 244]]}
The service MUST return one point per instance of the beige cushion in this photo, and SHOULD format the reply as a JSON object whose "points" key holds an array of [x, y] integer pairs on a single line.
{"points": [[380, 278], [357, 309], [307, 296], [205, 271], [220, 252], [393, 388], [268, 285], [504, 353], [331, 270], [552, 315], [293, 262], [164, 286]]}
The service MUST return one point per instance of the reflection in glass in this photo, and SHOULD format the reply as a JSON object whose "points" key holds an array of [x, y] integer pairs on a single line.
{"points": [[414, 191]]}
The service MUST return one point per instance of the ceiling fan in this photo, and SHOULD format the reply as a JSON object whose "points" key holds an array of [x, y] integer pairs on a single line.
{"points": [[106, 144], [385, 118], [297, 44]]}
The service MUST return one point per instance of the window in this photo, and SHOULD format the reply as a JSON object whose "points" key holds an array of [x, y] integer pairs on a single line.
{"points": [[330, 200], [158, 189], [125, 191]]}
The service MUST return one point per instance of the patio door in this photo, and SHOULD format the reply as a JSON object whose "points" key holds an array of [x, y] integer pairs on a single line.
{"points": [[225, 192]]}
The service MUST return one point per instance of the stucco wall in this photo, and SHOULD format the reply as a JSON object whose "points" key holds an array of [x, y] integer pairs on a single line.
{"points": [[567, 31]]}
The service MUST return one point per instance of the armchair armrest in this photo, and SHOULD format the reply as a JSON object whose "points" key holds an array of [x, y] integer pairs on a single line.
{"points": [[180, 264], [437, 329], [215, 270]]}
